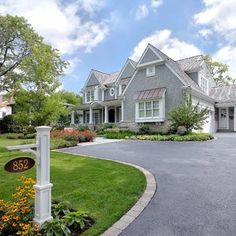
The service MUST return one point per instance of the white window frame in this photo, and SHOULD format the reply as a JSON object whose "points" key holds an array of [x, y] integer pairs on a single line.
{"points": [[90, 96], [204, 84], [112, 92], [152, 118], [153, 71]]}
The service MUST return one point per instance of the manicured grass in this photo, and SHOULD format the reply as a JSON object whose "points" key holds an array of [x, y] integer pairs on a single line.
{"points": [[105, 189]]}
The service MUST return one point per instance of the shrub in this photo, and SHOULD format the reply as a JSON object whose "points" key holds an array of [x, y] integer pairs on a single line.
{"points": [[15, 136], [118, 134], [57, 143], [188, 115], [176, 137], [82, 127], [74, 135], [7, 123], [30, 136], [145, 129]]}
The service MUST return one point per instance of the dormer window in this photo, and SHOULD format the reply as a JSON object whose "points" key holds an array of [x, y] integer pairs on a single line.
{"points": [[203, 84], [90, 96], [150, 71]]}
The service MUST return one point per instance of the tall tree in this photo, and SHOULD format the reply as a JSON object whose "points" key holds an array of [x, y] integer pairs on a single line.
{"points": [[219, 71], [25, 60]]}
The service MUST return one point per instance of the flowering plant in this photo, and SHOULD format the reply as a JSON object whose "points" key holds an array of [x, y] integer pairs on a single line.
{"points": [[74, 135], [16, 217]]}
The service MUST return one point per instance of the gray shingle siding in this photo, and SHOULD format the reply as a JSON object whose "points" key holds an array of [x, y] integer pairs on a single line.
{"points": [[107, 96], [164, 78], [128, 71], [92, 81], [149, 56], [194, 76]]}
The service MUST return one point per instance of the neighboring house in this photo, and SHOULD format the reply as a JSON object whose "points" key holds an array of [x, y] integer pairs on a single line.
{"points": [[5, 107], [144, 92]]}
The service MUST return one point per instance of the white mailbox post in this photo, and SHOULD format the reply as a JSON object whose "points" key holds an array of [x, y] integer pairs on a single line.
{"points": [[41, 149]]}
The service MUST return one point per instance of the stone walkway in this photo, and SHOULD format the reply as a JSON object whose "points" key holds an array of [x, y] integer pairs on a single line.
{"points": [[99, 140]]}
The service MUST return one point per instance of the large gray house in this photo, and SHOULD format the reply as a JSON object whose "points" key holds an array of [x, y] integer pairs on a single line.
{"points": [[143, 92]]}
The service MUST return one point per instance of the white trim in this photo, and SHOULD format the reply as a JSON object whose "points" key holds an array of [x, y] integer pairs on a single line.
{"points": [[156, 62], [160, 118], [153, 73], [227, 117], [103, 95], [171, 69], [152, 62], [130, 81], [234, 118], [112, 91], [200, 78], [126, 64], [122, 111]]}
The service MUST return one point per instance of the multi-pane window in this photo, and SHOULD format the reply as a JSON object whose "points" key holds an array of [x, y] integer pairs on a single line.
{"points": [[141, 109], [90, 96], [148, 109], [204, 84], [150, 71]]}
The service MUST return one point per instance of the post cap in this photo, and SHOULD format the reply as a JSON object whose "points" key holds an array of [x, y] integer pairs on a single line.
{"points": [[43, 128]]}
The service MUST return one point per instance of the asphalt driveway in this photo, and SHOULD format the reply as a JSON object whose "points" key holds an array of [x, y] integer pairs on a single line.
{"points": [[196, 193]]}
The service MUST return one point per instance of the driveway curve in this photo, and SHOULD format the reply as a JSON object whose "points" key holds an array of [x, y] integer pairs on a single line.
{"points": [[196, 194]]}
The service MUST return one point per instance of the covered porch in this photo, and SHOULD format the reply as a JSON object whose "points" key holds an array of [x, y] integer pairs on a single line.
{"points": [[97, 113]]}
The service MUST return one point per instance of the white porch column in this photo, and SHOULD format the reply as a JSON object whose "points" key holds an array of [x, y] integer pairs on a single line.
{"points": [[115, 115], [234, 118], [43, 185], [106, 114], [72, 118], [90, 115], [122, 111]]}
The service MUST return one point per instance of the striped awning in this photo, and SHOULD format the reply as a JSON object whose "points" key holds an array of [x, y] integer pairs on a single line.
{"points": [[150, 93]]}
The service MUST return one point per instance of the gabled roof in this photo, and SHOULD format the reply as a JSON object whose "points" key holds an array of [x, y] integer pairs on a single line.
{"points": [[177, 70], [191, 63], [134, 63], [104, 78], [224, 94]]}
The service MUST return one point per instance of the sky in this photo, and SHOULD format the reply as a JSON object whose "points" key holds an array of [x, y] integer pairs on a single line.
{"points": [[102, 34]]}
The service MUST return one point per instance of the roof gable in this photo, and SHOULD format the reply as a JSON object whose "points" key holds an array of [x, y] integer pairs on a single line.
{"points": [[127, 70], [149, 56]]}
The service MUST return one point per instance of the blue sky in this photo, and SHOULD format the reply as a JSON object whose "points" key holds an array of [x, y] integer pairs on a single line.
{"points": [[101, 34]]}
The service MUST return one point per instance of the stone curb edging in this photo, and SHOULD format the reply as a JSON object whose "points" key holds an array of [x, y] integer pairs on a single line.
{"points": [[139, 206]]}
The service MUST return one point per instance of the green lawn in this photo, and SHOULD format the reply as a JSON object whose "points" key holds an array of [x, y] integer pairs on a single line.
{"points": [[105, 189]]}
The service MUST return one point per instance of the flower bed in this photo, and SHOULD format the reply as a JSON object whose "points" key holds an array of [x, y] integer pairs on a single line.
{"points": [[74, 135], [119, 134], [16, 217]]}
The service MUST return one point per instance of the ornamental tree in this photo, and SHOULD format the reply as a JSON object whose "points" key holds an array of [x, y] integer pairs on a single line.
{"points": [[188, 115], [219, 71], [26, 61]]}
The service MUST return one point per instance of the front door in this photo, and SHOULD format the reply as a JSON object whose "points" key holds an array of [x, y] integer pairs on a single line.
{"points": [[223, 118]]}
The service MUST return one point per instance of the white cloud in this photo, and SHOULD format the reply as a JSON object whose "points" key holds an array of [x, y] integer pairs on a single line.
{"points": [[163, 40], [227, 55], [205, 33], [220, 16], [60, 24], [142, 12], [156, 3]]}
